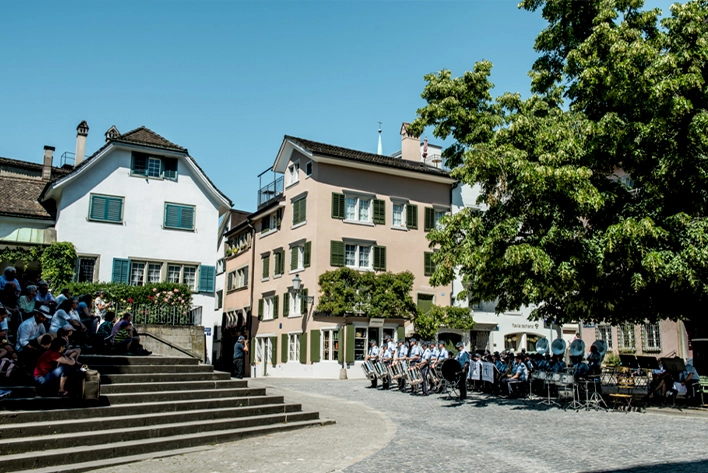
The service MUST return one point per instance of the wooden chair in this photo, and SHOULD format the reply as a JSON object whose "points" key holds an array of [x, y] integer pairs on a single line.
{"points": [[702, 388], [623, 398]]}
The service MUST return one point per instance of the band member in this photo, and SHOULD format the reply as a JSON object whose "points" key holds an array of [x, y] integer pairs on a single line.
{"points": [[388, 344], [442, 351], [463, 358], [414, 353], [594, 360], [386, 357], [424, 366], [373, 356], [434, 353], [519, 375], [401, 355]]}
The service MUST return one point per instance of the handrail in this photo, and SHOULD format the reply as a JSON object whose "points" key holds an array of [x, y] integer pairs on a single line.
{"points": [[171, 345]]}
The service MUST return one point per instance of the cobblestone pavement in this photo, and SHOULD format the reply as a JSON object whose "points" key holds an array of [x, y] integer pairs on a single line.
{"points": [[390, 431]]}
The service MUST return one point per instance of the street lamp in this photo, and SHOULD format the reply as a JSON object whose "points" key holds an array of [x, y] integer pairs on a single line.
{"points": [[297, 288]]}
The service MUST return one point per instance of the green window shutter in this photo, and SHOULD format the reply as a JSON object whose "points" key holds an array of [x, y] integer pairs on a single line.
{"points": [[114, 209], [284, 348], [98, 207], [179, 216], [429, 220], [428, 266], [293, 257], [303, 209], [303, 302], [336, 253], [266, 266], [286, 304], [340, 351], [303, 348], [274, 353], [401, 333], [121, 270], [275, 306], [296, 212], [425, 303], [252, 350], [315, 346], [282, 262], [169, 168], [207, 276], [338, 205], [349, 336], [307, 254], [380, 258], [300, 211], [139, 165], [412, 216], [379, 212], [106, 209], [276, 264], [260, 309]]}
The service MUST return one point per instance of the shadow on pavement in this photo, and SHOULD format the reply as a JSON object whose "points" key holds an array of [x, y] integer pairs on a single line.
{"points": [[674, 467]]}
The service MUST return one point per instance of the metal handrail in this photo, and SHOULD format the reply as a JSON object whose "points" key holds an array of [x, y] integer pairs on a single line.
{"points": [[171, 345]]}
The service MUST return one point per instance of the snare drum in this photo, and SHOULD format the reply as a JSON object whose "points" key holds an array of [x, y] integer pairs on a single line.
{"points": [[414, 376], [380, 369], [555, 378], [541, 375], [368, 368], [566, 379]]}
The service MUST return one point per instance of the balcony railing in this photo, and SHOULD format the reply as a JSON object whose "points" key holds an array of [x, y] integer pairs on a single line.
{"points": [[163, 315], [270, 191]]}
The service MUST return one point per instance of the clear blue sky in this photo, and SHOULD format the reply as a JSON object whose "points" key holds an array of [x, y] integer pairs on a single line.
{"points": [[227, 79]]}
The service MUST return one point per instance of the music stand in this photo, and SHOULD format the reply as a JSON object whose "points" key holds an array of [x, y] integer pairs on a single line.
{"points": [[673, 364], [629, 361], [648, 362]]}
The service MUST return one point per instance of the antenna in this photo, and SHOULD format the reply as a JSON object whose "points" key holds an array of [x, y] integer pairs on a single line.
{"points": [[380, 149]]}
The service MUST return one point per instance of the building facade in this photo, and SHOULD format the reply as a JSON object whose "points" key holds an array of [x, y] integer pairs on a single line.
{"points": [[330, 207]]}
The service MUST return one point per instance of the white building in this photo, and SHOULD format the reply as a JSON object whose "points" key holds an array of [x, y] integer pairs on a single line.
{"points": [[140, 210]]}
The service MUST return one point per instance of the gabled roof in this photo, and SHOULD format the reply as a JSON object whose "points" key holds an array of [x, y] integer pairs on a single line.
{"points": [[364, 157], [21, 198], [37, 167], [146, 137]]}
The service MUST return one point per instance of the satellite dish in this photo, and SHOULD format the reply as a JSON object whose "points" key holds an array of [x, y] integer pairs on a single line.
{"points": [[601, 347], [542, 346], [577, 348], [558, 346]]}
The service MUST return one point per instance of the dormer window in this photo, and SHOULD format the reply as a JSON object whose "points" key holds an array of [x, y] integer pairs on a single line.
{"points": [[294, 173], [154, 167]]}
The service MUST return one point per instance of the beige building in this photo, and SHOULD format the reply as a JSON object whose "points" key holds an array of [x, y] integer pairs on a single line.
{"points": [[325, 208]]}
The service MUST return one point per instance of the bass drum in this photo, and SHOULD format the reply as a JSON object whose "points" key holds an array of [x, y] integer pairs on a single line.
{"points": [[450, 370]]}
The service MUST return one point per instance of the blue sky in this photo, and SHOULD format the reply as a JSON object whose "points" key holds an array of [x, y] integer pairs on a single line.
{"points": [[227, 79]]}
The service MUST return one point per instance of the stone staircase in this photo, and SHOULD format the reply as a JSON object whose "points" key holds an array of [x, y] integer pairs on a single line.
{"points": [[149, 406]]}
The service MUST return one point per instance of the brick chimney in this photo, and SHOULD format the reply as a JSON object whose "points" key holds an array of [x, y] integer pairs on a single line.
{"points": [[81, 134], [410, 145], [47, 165]]}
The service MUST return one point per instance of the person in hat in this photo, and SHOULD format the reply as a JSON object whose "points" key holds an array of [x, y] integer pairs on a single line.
{"points": [[424, 366], [463, 358], [240, 352], [401, 356], [31, 329], [386, 356], [519, 375], [373, 356]]}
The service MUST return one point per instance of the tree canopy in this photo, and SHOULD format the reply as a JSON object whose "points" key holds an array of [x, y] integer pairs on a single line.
{"points": [[594, 188]]}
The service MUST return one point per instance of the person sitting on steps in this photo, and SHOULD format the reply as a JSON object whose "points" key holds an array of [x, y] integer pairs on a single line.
{"points": [[53, 365]]}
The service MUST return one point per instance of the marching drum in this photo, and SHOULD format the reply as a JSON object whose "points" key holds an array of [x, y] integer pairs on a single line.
{"points": [[414, 375], [540, 375], [399, 369], [380, 370], [450, 369], [566, 378], [368, 368]]}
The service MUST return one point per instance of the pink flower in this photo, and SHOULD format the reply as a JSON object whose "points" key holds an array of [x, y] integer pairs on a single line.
{"points": [[154, 289], [166, 300], [176, 290], [152, 298]]}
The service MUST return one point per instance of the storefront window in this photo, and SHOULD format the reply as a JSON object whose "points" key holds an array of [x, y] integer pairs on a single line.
{"points": [[360, 343], [511, 342], [531, 342]]}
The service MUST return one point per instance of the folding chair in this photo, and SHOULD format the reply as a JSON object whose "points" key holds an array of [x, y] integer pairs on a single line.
{"points": [[624, 399], [702, 388]]}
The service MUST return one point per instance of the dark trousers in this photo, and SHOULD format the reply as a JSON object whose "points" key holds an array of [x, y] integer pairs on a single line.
{"points": [[424, 370], [238, 367], [386, 380], [402, 383], [462, 385], [374, 382]]}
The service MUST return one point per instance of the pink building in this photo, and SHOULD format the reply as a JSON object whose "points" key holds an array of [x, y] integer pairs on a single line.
{"points": [[328, 207], [665, 339]]}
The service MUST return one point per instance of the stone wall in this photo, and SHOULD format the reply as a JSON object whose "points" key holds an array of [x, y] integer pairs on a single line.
{"points": [[189, 338]]}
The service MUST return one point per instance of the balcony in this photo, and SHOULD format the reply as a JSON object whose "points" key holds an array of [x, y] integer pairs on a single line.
{"points": [[270, 191]]}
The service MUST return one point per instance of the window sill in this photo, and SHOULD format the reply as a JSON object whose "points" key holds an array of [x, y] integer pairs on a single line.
{"points": [[298, 270], [104, 221], [359, 222], [277, 276], [298, 225], [403, 229], [363, 270], [296, 316], [269, 232], [265, 279], [236, 289], [190, 230]]}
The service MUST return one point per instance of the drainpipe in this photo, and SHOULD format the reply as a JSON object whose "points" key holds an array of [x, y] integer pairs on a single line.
{"points": [[249, 323]]}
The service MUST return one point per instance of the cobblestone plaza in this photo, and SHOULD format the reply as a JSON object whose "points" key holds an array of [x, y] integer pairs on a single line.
{"points": [[390, 431]]}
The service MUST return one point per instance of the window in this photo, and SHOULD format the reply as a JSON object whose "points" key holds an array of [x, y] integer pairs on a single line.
{"points": [[438, 215], [294, 173], [297, 258], [432, 218], [357, 209], [153, 166], [625, 338], [239, 242], [308, 168], [428, 265], [137, 273], [361, 343], [173, 273], [87, 267], [270, 222], [412, 216], [219, 300], [220, 265], [425, 302], [300, 210], [270, 308], [279, 265], [293, 347], [604, 332], [651, 334], [330, 345], [105, 208], [398, 210], [265, 260], [180, 217], [238, 279], [154, 272], [294, 304], [189, 277], [357, 256], [264, 350]]}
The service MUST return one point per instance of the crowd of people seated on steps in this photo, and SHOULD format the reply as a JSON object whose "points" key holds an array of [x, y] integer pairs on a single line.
{"points": [[42, 337]]}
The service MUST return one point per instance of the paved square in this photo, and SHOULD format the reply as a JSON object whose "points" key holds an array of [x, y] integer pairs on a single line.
{"points": [[390, 431]]}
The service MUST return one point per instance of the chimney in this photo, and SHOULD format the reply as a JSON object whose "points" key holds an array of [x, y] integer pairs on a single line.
{"points": [[112, 133], [47, 165], [81, 134], [410, 145]]}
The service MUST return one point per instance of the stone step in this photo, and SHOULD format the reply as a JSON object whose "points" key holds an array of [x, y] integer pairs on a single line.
{"points": [[147, 369], [162, 377], [170, 396], [20, 445], [70, 426], [20, 391], [119, 452], [137, 408], [171, 386], [96, 360]]}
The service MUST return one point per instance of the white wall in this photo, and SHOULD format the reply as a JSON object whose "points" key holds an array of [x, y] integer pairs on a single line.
{"points": [[141, 235]]}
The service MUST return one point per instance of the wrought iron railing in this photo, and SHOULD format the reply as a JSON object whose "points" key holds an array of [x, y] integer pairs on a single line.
{"points": [[270, 191], [162, 315]]}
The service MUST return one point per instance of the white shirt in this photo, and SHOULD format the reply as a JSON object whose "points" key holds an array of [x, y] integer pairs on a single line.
{"points": [[28, 330], [59, 320]]}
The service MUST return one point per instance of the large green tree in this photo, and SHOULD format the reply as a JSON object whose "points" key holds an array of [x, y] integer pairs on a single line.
{"points": [[595, 187]]}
